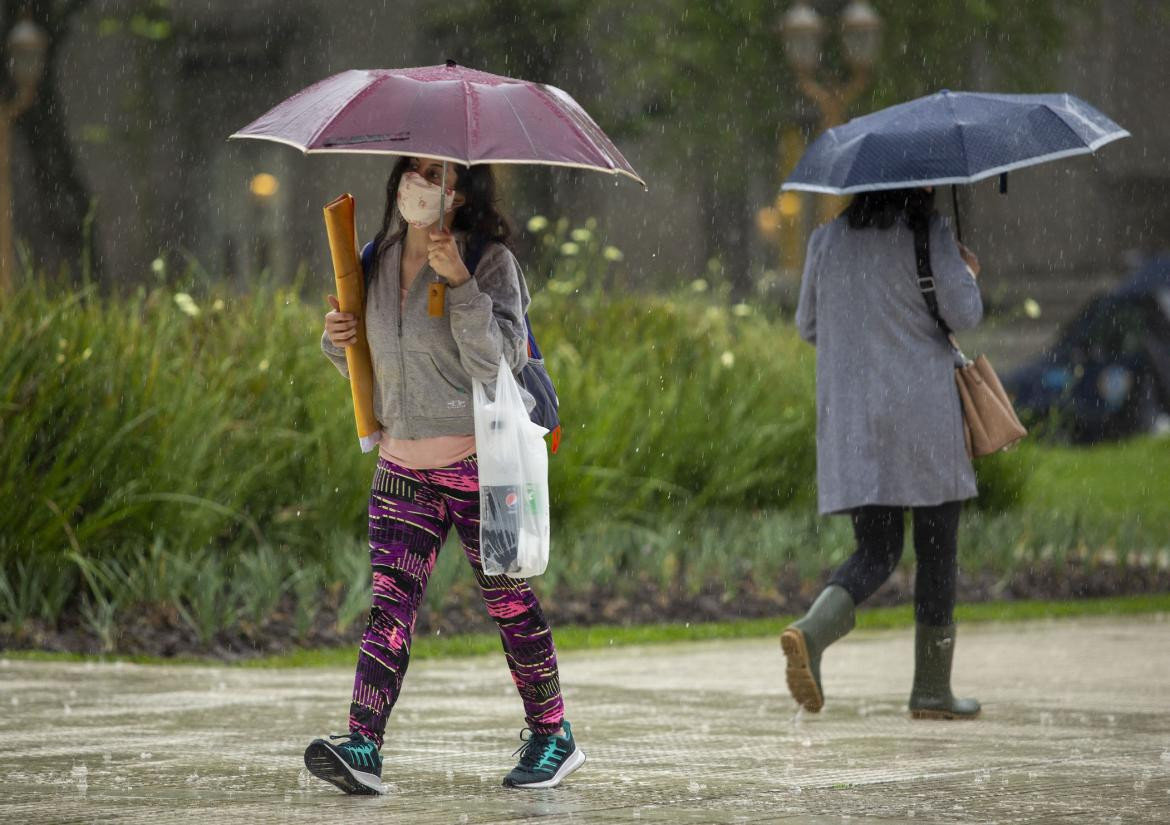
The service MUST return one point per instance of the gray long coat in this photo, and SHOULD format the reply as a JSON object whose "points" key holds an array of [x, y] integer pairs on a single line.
{"points": [[889, 422]]}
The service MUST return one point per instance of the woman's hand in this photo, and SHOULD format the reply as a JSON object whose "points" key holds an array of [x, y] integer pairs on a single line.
{"points": [[340, 326], [443, 256], [970, 259]]}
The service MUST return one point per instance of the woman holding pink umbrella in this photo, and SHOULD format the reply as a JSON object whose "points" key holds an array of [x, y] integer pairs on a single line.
{"points": [[441, 224], [426, 480]]}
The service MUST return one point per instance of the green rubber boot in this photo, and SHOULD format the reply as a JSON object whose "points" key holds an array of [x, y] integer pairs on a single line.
{"points": [[931, 698], [829, 618]]}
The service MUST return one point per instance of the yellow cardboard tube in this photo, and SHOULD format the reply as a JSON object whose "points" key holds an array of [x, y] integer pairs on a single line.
{"points": [[351, 288]]}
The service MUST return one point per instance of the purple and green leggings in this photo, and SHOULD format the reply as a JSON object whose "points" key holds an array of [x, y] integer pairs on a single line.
{"points": [[411, 512]]}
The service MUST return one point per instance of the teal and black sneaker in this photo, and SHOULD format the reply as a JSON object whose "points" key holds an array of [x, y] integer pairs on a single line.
{"points": [[545, 760], [354, 766]]}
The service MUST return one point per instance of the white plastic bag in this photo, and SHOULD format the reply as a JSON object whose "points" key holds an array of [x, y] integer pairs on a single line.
{"points": [[513, 481]]}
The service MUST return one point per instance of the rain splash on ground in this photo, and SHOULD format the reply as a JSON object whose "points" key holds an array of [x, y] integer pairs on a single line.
{"points": [[1076, 728]]}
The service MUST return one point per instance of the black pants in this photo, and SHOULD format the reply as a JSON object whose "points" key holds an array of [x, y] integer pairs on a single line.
{"points": [[879, 532]]}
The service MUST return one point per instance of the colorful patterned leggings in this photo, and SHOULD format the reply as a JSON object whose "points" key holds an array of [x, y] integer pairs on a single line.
{"points": [[411, 512]]}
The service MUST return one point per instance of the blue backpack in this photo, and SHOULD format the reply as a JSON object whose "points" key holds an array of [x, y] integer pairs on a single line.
{"points": [[533, 377]]}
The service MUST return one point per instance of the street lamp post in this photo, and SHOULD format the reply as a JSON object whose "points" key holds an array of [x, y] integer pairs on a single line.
{"points": [[803, 31], [27, 48]]}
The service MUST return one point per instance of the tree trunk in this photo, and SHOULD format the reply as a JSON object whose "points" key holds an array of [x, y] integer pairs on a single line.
{"points": [[55, 218]]}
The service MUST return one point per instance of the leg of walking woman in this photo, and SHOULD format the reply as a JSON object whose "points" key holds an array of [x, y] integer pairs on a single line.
{"points": [[550, 754], [936, 546], [936, 534], [879, 534], [408, 522]]}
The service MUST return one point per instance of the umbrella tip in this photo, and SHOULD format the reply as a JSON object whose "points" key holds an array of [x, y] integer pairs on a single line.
{"points": [[451, 64]]}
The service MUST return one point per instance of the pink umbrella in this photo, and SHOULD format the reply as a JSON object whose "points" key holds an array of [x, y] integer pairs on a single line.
{"points": [[449, 113]]}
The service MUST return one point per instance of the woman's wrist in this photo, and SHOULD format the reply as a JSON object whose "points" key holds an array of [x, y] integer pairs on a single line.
{"points": [[462, 276]]}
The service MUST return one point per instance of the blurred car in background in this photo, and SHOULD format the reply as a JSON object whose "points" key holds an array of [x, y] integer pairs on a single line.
{"points": [[1107, 376]]}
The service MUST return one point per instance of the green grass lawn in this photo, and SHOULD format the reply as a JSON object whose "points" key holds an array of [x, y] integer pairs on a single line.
{"points": [[602, 636], [1115, 484]]}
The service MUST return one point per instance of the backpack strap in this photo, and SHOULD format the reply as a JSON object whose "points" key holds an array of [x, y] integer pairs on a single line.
{"points": [[472, 255], [368, 263], [533, 347], [473, 252]]}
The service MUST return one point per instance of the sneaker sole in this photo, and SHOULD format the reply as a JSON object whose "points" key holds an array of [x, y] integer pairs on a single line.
{"points": [[945, 715], [325, 764], [801, 683], [575, 760]]}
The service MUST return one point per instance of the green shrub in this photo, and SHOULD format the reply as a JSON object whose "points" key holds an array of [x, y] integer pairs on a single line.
{"points": [[198, 452], [674, 406]]}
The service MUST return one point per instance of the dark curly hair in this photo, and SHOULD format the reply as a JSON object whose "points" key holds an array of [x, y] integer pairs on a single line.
{"points": [[479, 216], [886, 207]]}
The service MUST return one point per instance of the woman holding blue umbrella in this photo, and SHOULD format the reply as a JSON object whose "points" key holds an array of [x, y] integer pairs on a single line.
{"points": [[889, 427], [884, 286]]}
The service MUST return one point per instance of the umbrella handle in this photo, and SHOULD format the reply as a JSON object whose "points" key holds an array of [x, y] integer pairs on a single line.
{"points": [[955, 205], [437, 294]]}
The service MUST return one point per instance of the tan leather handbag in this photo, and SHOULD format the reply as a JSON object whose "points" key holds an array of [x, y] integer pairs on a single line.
{"points": [[990, 423]]}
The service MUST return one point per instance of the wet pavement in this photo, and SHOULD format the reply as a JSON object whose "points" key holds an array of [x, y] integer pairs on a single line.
{"points": [[1076, 729]]}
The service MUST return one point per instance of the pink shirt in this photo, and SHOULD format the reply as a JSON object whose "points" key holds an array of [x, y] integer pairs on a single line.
{"points": [[426, 453]]}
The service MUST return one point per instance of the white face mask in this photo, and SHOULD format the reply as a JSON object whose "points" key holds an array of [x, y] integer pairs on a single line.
{"points": [[418, 200]]}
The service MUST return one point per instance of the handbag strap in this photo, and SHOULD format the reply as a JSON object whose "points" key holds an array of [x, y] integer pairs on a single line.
{"points": [[926, 284]]}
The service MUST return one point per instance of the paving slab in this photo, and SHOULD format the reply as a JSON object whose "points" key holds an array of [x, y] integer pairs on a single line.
{"points": [[1076, 729]]}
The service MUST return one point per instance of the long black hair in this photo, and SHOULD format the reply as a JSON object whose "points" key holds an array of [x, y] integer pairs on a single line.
{"points": [[886, 207], [479, 216]]}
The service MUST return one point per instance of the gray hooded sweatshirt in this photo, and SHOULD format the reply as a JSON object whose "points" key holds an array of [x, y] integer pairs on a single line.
{"points": [[423, 366]]}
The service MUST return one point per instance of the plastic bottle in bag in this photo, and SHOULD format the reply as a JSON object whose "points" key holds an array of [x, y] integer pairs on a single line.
{"points": [[499, 528]]}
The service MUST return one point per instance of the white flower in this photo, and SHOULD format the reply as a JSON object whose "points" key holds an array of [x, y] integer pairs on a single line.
{"points": [[218, 305], [85, 355], [612, 253], [741, 310], [569, 249], [699, 285], [537, 223], [1032, 308], [158, 266], [727, 359], [581, 235], [187, 304], [264, 365]]}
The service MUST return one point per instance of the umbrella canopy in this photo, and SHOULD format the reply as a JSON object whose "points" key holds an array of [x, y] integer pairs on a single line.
{"points": [[445, 112], [950, 137]]}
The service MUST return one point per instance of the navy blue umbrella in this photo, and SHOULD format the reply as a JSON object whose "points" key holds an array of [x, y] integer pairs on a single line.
{"points": [[950, 137]]}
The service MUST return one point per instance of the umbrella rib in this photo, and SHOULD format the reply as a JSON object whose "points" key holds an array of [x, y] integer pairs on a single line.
{"points": [[1092, 144], [523, 128], [962, 136]]}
